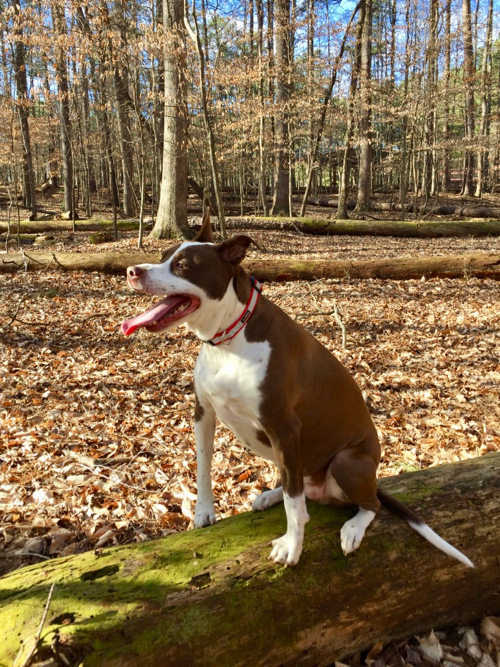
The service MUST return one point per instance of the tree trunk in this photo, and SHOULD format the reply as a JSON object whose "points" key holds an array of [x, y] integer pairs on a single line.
{"points": [[483, 154], [211, 597], [262, 158], [324, 107], [469, 74], [194, 34], [20, 76], [171, 219], [480, 265], [123, 102], [365, 149], [58, 21], [346, 167], [281, 202]]}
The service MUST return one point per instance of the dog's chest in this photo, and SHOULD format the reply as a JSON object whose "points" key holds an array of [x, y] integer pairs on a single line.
{"points": [[231, 380]]}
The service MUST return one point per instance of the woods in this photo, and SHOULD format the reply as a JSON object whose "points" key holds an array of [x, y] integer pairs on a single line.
{"points": [[266, 101], [358, 144]]}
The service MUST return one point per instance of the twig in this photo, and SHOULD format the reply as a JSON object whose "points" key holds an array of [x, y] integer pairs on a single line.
{"points": [[38, 634], [336, 315], [17, 309], [24, 554]]}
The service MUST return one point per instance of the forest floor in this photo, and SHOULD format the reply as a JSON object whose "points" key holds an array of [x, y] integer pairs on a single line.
{"points": [[97, 442]]}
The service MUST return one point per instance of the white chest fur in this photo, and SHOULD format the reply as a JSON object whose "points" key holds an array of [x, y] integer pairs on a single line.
{"points": [[230, 379]]}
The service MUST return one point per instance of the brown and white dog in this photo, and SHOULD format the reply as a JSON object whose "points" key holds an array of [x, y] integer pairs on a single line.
{"points": [[276, 387]]}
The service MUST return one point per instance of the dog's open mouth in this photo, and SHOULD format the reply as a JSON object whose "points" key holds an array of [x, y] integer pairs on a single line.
{"points": [[163, 315]]}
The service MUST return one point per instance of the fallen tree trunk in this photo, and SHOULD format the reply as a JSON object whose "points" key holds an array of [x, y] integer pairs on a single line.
{"points": [[27, 227], [460, 210], [210, 597], [401, 228], [479, 265]]}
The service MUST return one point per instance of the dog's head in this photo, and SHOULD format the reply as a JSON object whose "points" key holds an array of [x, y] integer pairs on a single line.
{"points": [[189, 275]]}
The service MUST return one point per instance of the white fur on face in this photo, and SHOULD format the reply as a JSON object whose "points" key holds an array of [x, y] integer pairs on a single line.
{"points": [[212, 316], [287, 549]]}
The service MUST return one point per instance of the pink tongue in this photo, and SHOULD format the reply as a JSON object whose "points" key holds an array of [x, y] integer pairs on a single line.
{"points": [[155, 313]]}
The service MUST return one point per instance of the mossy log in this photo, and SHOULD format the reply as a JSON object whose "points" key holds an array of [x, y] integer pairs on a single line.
{"points": [[401, 228], [480, 265], [458, 210], [211, 597], [41, 226]]}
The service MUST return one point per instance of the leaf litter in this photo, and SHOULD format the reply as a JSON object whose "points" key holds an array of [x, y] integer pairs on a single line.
{"points": [[97, 445]]}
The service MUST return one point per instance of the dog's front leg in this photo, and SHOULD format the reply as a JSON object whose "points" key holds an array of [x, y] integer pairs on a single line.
{"points": [[204, 430], [286, 445]]}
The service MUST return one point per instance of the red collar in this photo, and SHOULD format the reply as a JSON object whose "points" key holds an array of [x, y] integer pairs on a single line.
{"points": [[228, 334]]}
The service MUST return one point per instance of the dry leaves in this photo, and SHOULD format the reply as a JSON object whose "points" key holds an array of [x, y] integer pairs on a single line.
{"points": [[97, 446]]}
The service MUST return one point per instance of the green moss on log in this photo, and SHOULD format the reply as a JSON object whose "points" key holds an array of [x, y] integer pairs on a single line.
{"points": [[213, 595]]}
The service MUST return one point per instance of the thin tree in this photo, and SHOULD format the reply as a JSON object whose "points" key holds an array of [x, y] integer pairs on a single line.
{"points": [[59, 23], [469, 75], [365, 123], [281, 199], [194, 34], [171, 219], [22, 102]]}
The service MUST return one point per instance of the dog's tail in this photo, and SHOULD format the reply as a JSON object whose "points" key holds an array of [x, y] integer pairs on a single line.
{"points": [[422, 528]]}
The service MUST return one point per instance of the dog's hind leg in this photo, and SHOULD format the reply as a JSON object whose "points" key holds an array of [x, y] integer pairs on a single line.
{"points": [[267, 499], [204, 429], [355, 474]]}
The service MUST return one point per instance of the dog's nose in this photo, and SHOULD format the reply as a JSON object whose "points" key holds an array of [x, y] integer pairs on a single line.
{"points": [[134, 271]]}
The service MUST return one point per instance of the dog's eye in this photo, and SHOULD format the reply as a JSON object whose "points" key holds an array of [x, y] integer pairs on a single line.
{"points": [[180, 264]]}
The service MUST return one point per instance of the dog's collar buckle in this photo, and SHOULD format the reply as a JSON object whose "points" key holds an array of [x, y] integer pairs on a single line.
{"points": [[226, 336]]}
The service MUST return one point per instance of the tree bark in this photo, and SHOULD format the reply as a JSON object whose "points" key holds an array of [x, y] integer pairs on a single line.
{"points": [[365, 128], [211, 597], [399, 228], [479, 265], [58, 21], [281, 203], [171, 220], [21, 79], [483, 154], [469, 74], [194, 34]]}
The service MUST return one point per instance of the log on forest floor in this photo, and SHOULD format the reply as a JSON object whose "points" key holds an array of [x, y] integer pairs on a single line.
{"points": [[400, 228], [479, 265], [35, 227], [210, 597]]}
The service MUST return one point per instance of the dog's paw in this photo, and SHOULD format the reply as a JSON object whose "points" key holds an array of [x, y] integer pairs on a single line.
{"points": [[350, 537], [267, 499], [353, 531], [286, 551], [203, 518]]}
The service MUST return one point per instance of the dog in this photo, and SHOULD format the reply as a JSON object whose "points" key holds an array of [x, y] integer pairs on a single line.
{"points": [[281, 392]]}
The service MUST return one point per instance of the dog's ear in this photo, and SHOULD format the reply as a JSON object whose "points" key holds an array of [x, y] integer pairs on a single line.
{"points": [[234, 249], [205, 233]]}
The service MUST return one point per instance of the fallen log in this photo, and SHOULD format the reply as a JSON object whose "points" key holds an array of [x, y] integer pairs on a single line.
{"points": [[400, 228], [479, 265], [464, 211], [27, 227], [210, 597]]}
